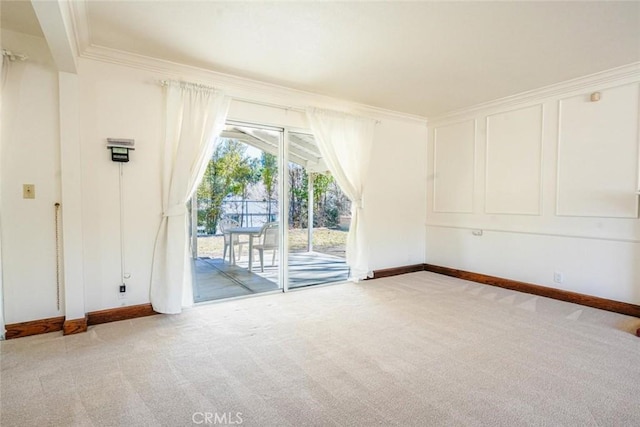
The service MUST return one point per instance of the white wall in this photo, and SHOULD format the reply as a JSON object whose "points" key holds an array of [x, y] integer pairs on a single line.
{"points": [[119, 101], [550, 179], [123, 101], [394, 200], [116, 102], [30, 155]]}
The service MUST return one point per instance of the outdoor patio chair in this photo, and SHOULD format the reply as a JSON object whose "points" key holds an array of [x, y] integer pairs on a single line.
{"points": [[225, 224], [268, 240]]}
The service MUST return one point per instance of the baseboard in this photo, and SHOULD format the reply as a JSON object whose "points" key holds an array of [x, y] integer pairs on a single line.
{"points": [[559, 294], [395, 271], [34, 327], [120, 313], [74, 326]]}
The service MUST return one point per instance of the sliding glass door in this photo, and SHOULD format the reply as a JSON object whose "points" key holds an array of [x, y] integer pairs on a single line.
{"points": [[317, 237], [265, 193], [238, 216]]}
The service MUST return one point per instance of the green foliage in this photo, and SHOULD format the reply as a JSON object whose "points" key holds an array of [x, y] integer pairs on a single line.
{"points": [[297, 196], [232, 172], [229, 172], [269, 176], [329, 202]]}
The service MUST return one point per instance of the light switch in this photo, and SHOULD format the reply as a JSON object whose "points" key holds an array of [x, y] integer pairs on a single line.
{"points": [[28, 191]]}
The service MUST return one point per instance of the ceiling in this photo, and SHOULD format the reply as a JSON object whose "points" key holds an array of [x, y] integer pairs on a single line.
{"points": [[303, 150], [18, 15], [422, 58]]}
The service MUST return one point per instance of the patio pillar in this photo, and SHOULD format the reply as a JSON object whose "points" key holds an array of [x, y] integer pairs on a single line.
{"points": [[194, 226], [310, 177]]}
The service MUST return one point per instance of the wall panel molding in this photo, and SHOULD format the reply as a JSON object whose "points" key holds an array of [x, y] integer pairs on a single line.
{"points": [[534, 233], [598, 154], [455, 146], [608, 78], [506, 192]]}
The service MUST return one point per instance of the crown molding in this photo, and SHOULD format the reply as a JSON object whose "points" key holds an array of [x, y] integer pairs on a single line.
{"points": [[237, 87], [80, 25], [612, 77], [243, 88]]}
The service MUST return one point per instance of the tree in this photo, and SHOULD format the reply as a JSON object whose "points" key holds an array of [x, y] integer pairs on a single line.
{"points": [[297, 195], [321, 183], [246, 172], [269, 175], [229, 172], [325, 194]]}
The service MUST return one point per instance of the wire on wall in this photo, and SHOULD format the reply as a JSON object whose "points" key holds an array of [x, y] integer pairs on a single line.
{"points": [[122, 254], [58, 251]]}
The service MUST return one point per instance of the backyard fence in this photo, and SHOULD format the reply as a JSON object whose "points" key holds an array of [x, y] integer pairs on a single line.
{"points": [[248, 213]]}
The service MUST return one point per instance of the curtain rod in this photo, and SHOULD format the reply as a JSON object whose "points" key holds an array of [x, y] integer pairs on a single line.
{"points": [[14, 56], [265, 104], [282, 107], [270, 104]]}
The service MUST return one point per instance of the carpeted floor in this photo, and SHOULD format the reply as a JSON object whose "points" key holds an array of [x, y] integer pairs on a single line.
{"points": [[412, 350]]}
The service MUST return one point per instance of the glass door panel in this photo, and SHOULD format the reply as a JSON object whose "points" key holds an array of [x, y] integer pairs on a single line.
{"points": [[267, 192], [238, 214], [318, 217]]}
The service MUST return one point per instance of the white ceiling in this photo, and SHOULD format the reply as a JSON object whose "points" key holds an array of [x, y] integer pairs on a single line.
{"points": [[18, 15], [424, 58]]}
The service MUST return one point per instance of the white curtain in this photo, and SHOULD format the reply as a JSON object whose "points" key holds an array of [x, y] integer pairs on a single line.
{"points": [[195, 117], [345, 143], [4, 67]]}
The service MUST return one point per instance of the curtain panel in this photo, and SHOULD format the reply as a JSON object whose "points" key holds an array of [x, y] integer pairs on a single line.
{"points": [[4, 69], [345, 142], [195, 116]]}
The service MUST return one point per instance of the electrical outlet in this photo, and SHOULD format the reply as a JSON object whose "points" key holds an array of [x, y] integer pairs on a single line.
{"points": [[558, 277], [123, 288], [28, 191]]}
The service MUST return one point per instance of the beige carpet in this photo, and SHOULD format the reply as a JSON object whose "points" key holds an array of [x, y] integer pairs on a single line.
{"points": [[419, 349]]}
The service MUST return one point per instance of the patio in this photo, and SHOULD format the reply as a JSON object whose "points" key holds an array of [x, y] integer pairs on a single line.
{"points": [[216, 279]]}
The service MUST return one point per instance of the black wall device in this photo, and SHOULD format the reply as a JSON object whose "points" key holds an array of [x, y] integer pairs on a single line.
{"points": [[120, 148]]}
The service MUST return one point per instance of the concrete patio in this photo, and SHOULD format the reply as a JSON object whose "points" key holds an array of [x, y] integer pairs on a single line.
{"points": [[216, 279]]}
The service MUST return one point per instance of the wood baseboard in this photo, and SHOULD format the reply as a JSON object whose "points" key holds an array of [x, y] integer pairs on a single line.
{"points": [[119, 313], [559, 294], [74, 326], [34, 327], [395, 271]]}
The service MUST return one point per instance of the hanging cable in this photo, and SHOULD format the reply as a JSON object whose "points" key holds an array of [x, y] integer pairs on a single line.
{"points": [[58, 270], [121, 225]]}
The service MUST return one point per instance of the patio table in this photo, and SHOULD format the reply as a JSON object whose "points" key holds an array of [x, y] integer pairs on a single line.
{"points": [[243, 231]]}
